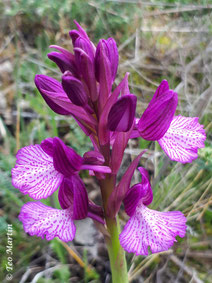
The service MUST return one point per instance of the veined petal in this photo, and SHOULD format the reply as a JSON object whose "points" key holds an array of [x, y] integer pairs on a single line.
{"points": [[41, 220], [154, 229], [183, 138], [34, 173]]}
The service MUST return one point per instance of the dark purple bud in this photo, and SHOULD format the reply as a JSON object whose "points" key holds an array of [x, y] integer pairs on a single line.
{"points": [[65, 159], [63, 62], [93, 157], [85, 45], [52, 92], [86, 68], [81, 30], [122, 114], [157, 118], [72, 193], [74, 89], [113, 56], [74, 34], [103, 72]]}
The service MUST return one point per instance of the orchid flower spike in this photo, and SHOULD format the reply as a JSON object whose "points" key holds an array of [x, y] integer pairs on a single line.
{"points": [[107, 115]]}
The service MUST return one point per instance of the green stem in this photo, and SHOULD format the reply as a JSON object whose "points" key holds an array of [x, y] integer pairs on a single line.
{"points": [[116, 253]]}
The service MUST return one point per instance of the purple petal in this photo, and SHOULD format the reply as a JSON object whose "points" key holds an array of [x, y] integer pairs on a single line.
{"points": [[64, 51], [73, 194], [96, 168], [47, 146], [119, 146], [81, 31], [120, 191], [85, 45], [162, 89], [122, 114], [93, 157], [154, 229], [50, 89], [58, 101], [74, 89], [34, 173], [95, 209], [74, 34], [66, 160], [41, 220], [141, 191], [113, 56], [63, 62], [103, 72], [103, 131], [183, 138], [156, 119], [86, 68]]}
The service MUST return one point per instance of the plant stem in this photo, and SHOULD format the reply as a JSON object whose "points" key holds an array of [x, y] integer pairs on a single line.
{"points": [[116, 253]]}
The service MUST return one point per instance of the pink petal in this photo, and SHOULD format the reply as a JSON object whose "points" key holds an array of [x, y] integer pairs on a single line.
{"points": [[183, 138], [34, 173], [40, 220], [154, 229]]}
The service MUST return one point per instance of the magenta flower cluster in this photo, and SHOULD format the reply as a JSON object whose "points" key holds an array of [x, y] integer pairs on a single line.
{"points": [[107, 115]]}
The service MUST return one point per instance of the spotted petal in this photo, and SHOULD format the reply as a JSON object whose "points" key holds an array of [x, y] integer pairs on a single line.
{"points": [[183, 138], [40, 220], [34, 173], [154, 229]]}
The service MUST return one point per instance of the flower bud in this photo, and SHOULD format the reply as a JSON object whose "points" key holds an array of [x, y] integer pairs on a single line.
{"points": [[86, 68], [122, 114], [63, 62], [74, 89], [53, 93]]}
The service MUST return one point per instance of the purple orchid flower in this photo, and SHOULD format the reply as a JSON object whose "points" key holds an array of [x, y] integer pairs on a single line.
{"points": [[180, 137], [147, 227], [107, 115]]}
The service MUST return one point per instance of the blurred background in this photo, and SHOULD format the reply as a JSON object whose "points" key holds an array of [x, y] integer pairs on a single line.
{"points": [[157, 40]]}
